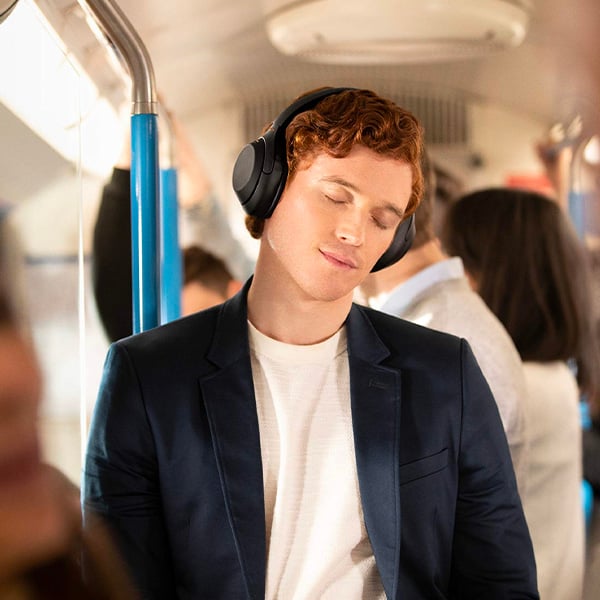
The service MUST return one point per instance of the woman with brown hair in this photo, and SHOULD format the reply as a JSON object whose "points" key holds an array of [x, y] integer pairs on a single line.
{"points": [[525, 260]]}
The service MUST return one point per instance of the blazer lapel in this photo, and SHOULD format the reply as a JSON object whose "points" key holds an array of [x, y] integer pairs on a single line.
{"points": [[375, 401], [230, 403]]}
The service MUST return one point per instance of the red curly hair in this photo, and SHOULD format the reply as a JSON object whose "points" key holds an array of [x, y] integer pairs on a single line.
{"points": [[341, 121]]}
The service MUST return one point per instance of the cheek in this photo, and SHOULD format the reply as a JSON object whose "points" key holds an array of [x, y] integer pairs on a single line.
{"points": [[274, 235], [378, 242], [286, 227]]}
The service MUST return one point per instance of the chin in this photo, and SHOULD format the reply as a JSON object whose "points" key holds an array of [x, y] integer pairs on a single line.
{"points": [[33, 524], [329, 291]]}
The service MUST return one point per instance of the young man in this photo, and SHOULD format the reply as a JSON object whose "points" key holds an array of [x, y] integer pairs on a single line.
{"points": [[290, 444], [430, 288]]}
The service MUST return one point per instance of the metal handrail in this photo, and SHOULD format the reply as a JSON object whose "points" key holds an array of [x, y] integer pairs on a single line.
{"points": [[145, 185], [121, 32]]}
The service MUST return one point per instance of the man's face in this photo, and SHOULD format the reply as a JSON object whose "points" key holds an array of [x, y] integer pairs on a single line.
{"points": [[335, 219]]}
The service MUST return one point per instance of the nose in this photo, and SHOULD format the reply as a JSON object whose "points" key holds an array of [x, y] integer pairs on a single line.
{"points": [[351, 229]]}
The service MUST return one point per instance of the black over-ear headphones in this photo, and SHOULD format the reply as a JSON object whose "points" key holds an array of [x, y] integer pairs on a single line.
{"points": [[260, 173]]}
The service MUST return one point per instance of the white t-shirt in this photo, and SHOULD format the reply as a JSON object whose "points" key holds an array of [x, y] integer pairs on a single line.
{"points": [[317, 545]]}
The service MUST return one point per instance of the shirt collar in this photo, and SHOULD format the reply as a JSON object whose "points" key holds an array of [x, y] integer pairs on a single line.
{"points": [[398, 300]]}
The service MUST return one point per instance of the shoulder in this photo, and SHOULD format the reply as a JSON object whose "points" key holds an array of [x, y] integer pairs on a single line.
{"points": [[173, 345], [383, 321], [550, 380], [174, 332], [454, 308]]}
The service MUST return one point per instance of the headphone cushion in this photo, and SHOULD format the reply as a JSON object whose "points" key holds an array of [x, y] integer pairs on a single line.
{"points": [[247, 170], [403, 239], [258, 191]]}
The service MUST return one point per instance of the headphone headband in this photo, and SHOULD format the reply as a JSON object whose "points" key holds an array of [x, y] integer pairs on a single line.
{"points": [[303, 104]]}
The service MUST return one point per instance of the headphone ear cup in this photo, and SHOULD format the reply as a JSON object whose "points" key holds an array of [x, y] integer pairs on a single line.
{"points": [[403, 239], [247, 170], [259, 177]]}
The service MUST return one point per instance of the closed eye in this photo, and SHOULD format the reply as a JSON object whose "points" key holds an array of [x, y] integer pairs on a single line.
{"points": [[380, 224], [386, 219]]}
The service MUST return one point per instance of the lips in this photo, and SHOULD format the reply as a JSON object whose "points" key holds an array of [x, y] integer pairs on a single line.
{"points": [[339, 259]]}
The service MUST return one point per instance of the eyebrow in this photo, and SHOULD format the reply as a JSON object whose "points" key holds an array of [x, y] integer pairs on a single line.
{"points": [[347, 184]]}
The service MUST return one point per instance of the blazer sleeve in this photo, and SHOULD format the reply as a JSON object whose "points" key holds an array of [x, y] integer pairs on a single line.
{"points": [[120, 479], [492, 551]]}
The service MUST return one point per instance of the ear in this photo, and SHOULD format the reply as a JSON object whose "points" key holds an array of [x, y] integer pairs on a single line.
{"points": [[233, 287]]}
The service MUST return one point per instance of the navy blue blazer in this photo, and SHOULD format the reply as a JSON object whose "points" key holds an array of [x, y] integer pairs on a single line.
{"points": [[174, 466]]}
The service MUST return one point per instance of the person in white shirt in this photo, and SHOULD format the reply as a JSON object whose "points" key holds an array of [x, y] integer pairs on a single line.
{"points": [[526, 262]]}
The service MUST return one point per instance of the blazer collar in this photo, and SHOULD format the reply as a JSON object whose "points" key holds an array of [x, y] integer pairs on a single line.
{"points": [[364, 342], [230, 343]]}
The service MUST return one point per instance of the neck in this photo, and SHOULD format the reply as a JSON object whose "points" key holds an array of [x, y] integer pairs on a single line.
{"points": [[412, 263], [282, 313], [17, 589]]}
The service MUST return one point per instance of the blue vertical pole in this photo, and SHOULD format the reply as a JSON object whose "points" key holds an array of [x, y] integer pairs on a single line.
{"points": [[170, 264], [144, 159], [144, 221]]}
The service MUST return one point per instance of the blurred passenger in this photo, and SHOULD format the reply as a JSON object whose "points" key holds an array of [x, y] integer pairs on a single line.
{"points": [[12, 266], [203, 221], [525, 260], [206, 280], [41, 537], [430, 288]]}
